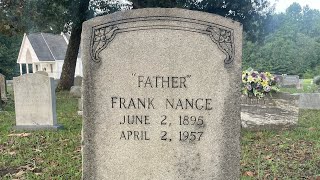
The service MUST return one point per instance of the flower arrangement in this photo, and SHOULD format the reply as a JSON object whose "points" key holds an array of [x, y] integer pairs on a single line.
{"points": [[258, 84]]}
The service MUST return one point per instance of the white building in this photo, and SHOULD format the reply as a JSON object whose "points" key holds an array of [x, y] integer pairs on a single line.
{"points": [[45, 52]]}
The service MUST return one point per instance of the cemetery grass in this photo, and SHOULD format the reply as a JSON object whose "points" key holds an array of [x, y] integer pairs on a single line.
{"points": [[285, 154]]}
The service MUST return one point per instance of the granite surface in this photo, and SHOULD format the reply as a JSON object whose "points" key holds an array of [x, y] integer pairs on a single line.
{"points": [[35, 102]]}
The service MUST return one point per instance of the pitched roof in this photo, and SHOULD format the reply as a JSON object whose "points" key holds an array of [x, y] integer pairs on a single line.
{"points": [[48, 47]]}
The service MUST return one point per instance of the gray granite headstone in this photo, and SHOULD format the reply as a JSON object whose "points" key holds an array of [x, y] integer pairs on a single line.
{"points": [[309, 100], [75, 91], [35, 102], [161, 96], [77, 81], [290, 81], [3, 87]]}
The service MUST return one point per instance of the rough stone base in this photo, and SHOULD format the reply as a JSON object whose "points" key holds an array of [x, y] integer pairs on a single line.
{"points": [[257, 124], [271, 113], [57, 127]]}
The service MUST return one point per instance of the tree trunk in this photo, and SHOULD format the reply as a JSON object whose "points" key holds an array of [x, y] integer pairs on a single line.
{"points": [[70, 60]]}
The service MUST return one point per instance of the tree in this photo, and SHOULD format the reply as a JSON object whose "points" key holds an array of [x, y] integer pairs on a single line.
{"points": [[9, 49], [81, 11], [70, 60]]}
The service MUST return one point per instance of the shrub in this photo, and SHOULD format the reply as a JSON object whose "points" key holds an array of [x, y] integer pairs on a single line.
{"points": [[316, 80]]}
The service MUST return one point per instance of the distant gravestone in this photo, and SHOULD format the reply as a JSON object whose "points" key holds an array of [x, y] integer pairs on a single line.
{"points": [[77, 81], [35, 102], [309, 100], [80, 106], [3, 87], [290, 81], [75, 91], [161, 96]]}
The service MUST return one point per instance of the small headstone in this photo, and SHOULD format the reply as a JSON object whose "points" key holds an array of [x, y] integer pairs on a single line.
{"points": [[80, 106], [309, 100], [9, 83], [3, 87], [77, 81], [56, 83], [300, 84], [75, 91], [35, 102], [290, 81], [161, 95]]}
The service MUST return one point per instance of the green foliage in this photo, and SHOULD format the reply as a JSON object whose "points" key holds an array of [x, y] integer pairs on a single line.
{"points": [[291, 47], [9, 50], [316, 80]]}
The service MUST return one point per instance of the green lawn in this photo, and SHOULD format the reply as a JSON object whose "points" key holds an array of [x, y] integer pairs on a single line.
{"points": [[286, 154]]}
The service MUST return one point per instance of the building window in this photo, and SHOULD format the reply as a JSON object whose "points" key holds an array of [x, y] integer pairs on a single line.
{"points": [[51, 68], [37, 67]]}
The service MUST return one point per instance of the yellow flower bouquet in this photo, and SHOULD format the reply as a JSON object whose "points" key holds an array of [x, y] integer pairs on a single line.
{"points": [[258, 84]]}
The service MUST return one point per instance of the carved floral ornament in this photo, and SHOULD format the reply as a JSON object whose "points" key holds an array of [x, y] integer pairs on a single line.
{"points": [[223, 37]]}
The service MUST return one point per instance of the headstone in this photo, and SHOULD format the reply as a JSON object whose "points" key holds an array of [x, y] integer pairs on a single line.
{"points": [[80, 106], [56, 83], [77, 81], [161, 95], [309, 100], [9, 83], [290, 81], [279, 111], [300, 84], [75, 91], [35, 102], [3, 87]]}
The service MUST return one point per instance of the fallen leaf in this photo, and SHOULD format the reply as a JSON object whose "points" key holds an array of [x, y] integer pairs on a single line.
{"points": [[266, 176], [312, 129], [268, 157], [38, 150], [248, 173], [19, 135], [12, 153], [20, 173]]}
